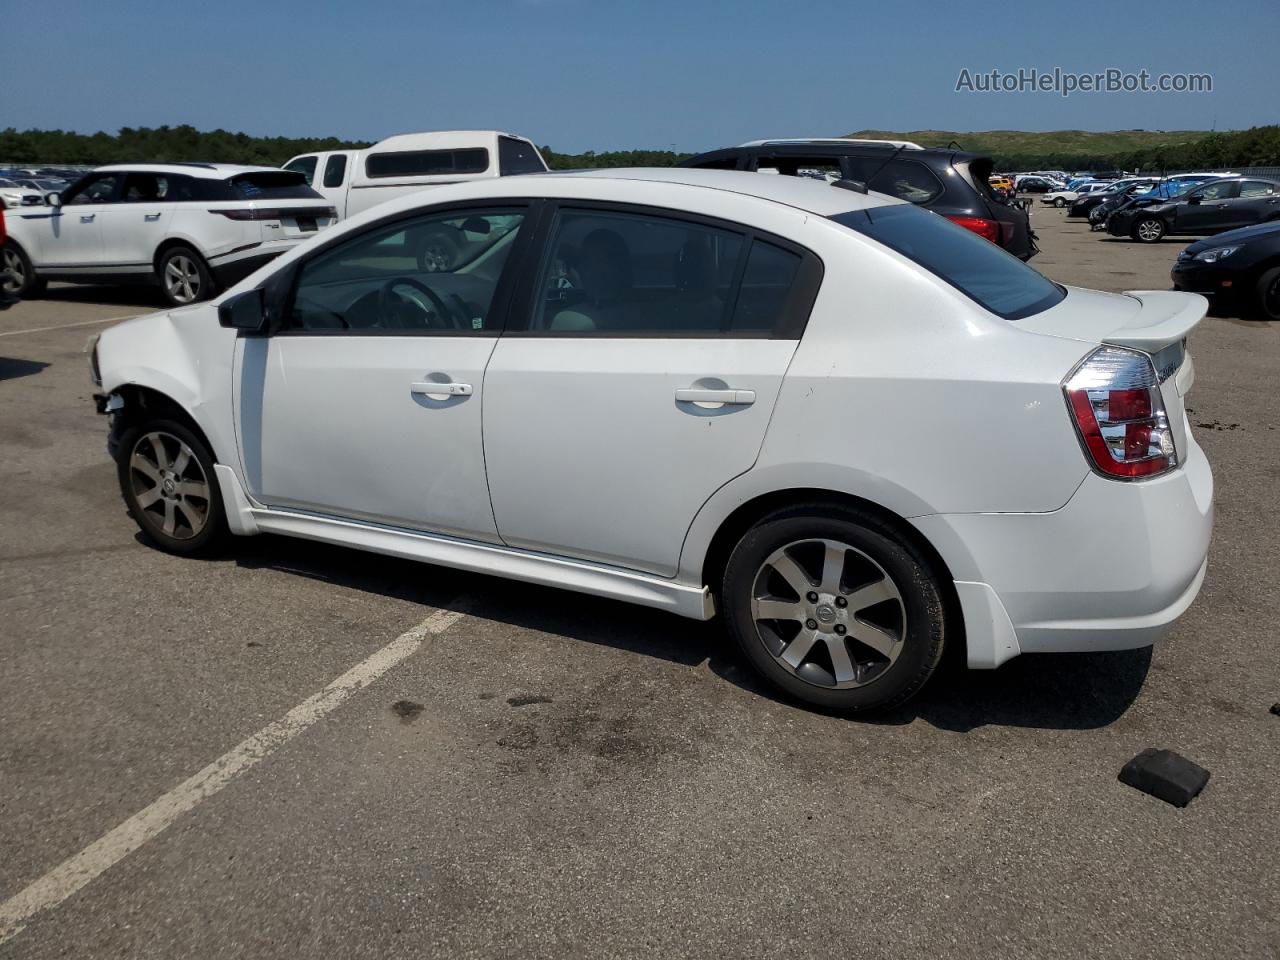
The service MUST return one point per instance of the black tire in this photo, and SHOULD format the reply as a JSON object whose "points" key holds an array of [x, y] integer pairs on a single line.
{"points": [[1154, 232], [1267, 295], [198, 282], [19, 275], [1059, 202], [438, 250], [921, 637], [186, 503]]}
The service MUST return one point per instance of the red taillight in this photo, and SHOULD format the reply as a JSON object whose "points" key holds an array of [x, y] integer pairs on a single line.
{"points": [[987, 229], [1114, 397]]}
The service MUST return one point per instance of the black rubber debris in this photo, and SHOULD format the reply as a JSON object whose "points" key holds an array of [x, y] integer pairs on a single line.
{"points": [[407, 710], [526, 700], [1165, 775], [1275, 708]]}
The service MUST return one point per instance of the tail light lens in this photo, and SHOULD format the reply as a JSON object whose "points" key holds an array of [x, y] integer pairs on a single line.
{"points": [[987, 229], [1114, 397]]}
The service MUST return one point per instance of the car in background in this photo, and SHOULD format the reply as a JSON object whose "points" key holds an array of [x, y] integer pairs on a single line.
{"points": [[355, 180], [1081, 206], [948, 182], [1000, 182], [13, 194], [766, 386], [1162, 191], [45, 186], [1034, 183], [1209, 208], [193, 228], [1060, 198], [1240, 267]]}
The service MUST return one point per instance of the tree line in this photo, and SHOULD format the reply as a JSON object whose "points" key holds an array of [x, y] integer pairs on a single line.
{"points": [[1258, 146]]}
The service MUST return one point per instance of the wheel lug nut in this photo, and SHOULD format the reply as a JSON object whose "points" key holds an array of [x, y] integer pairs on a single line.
{"points": [[840, 629], [841, 602], [812, 597], [811, 624]]}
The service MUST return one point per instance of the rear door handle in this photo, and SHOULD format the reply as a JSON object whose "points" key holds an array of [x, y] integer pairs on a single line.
{"points": [[151, 216], [700, 395], [430, 388], [87, 217]]}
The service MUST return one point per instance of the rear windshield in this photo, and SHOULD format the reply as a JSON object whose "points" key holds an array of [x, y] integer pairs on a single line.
{"points": [[273, 185], [976, 267]]}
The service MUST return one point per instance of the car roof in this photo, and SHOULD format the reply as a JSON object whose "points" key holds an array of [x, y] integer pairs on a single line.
{"points": [[803, 193], [832, 141], [840, 147], [206, 171]]}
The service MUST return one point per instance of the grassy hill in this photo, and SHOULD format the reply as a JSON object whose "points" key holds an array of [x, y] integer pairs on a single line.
{"points": [[1037, 144]]}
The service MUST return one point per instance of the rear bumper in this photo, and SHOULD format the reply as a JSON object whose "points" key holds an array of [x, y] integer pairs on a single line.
{"points": [[1111, 570]]}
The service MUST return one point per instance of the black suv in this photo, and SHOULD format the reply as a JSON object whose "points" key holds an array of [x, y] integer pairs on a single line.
{"points": [[948, 182]]}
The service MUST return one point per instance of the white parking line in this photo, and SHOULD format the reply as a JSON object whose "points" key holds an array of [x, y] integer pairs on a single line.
{"points": [[67, 326], [73, 874]]}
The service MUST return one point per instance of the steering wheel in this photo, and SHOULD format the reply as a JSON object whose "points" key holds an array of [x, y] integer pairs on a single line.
{"points": [[447, 317]]}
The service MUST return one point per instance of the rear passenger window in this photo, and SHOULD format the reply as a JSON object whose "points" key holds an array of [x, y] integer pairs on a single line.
{"points": [[517, 156], [908, 180], [622, 274], [335, 170], [415, 163], [1257, 188]]}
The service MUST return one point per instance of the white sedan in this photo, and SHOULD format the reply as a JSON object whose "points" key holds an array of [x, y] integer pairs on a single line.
{"points": [[854, 430]]}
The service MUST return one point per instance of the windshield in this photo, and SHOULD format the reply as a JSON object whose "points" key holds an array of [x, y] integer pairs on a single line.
{"points": [[976, 267]]}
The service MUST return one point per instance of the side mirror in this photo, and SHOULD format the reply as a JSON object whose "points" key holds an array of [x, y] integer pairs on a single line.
{"points": [[476, 225], [53, 199], [245, 311], [1195, 200]]}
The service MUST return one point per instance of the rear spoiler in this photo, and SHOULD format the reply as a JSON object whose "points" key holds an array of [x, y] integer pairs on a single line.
{"points": [[1166, 317]]}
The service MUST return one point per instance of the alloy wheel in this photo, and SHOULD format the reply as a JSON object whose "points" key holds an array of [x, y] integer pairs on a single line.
{"points": [[182, 278], [1150, 230], [828, 613], [15, 275], [169, 484]]}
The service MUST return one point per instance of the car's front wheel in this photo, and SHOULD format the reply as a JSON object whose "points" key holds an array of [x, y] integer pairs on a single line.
{"points": [[167, 479], [1268, 294], [17, 275], [1148, 229], [1059, 202], [835, 607], [184, 276]]}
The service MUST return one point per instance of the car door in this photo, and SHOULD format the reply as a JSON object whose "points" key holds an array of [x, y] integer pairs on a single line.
{"points": [[1208, 208], [71, 234], [133, 228], [637, 376], [1257, 201], [366, 405]]}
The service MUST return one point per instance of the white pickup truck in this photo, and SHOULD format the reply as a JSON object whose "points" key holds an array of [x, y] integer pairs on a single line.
{"points": [[355, 180]]}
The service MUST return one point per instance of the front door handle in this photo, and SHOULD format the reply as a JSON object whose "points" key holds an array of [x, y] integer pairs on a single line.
{"points": [[700, 395], [87, 217], [433, 389], [151, 216]]}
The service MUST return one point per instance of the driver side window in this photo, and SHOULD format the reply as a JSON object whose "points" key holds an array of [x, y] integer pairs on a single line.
{"points": [[433, 274], [93, 189]]}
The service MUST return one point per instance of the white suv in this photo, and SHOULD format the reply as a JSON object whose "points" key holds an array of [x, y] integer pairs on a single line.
{"points": [[191, 227], [855, 430]]}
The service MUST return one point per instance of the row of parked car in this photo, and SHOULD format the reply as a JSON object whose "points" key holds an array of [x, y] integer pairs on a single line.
{"points": [[197, 228]]}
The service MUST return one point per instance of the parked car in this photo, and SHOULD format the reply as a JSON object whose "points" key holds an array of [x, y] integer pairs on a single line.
{"points": [[1162, 191], [1000, 182], [191, 227], [42, 185], [1241, 267], [1081, 206], [13, 194], [1209, 208], [949, 182], [1032, 183], [671, 387], [355, 180], [1060, 198]]}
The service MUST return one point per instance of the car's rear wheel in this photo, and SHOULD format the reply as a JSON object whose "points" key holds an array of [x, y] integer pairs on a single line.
{"points": [[835, 608], [1267, 294], [167, 479], [184, 276], [1059, 202], [1148, 229], [18, 276]]}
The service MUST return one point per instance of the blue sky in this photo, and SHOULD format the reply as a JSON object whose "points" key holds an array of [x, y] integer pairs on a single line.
{"points": [[591, 74]]}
